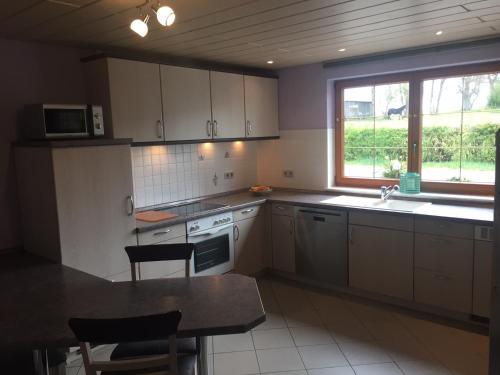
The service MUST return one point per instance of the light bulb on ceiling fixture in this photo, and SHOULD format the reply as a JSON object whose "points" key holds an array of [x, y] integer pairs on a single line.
{"points": [[165, 15], [270, 62], [139, 26]]}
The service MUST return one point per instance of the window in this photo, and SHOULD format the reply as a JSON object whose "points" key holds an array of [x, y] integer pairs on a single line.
{"points": [[439, 123]]}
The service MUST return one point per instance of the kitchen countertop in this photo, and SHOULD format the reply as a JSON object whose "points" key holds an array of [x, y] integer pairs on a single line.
{"points": [[236, 201]]}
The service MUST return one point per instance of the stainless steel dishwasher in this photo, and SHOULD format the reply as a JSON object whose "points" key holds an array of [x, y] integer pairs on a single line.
{"points": [[321, 245]]}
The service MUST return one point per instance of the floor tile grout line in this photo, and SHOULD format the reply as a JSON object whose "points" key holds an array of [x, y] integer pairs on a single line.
{"points": [[331, 335]]}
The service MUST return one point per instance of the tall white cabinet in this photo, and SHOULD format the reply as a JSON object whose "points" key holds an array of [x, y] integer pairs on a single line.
{"points": [[76, 206]]}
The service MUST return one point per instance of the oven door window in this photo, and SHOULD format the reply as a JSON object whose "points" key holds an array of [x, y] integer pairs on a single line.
{"points": [[65, 121], [211, 252]]}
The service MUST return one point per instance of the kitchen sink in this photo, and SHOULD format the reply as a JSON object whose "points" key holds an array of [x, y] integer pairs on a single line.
{"points": [[365, 202]]}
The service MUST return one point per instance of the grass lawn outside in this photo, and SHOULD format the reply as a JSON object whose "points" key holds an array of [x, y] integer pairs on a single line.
{"points": [[465, 171]]}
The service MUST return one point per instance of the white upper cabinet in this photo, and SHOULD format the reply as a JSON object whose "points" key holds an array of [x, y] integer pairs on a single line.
{"points": [[261, 107], [135, 100], [186, 103], [228, 105]]}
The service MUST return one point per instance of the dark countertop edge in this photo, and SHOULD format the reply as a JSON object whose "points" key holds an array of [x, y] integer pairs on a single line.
{"points": [[185, 219], [80, 142], [259, 200]]}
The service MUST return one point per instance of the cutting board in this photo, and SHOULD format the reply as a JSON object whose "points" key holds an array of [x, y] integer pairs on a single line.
{"points": [[154, 216]]}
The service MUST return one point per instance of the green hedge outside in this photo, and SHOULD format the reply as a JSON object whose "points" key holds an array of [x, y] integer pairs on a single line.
{"points": [[477, 143]]}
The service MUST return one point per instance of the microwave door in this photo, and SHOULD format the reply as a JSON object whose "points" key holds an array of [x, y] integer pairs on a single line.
{"points": [[65, 122]]}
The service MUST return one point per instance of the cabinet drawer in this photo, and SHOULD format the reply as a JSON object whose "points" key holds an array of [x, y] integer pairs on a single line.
{"points": [[444, 228], [246, 213], [380, 220], [447, 255], [161, 234], [282, 209], [450, 293]]}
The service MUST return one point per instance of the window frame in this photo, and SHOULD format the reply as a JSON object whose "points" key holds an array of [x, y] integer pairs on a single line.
{"points": [[415, 80]]}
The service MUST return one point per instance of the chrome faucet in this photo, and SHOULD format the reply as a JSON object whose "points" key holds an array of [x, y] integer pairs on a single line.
{"points": [[387, 191]]}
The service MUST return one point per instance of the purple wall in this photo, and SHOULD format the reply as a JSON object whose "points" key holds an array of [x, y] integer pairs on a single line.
{"points": [[29, 73], [306, 92]]}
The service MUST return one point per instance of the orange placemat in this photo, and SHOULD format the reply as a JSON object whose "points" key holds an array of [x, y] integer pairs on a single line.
{"points": [[154, 216]]}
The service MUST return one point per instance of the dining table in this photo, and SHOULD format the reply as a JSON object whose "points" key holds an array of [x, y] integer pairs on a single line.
{"points": [[38, 297]]}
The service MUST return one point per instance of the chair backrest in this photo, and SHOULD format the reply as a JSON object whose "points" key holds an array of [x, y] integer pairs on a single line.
{"points": [[160, 252], [141, 328]]}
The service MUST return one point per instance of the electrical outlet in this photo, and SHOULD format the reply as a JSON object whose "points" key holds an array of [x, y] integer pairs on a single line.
{"points": [[288, 173], [228, 175]]}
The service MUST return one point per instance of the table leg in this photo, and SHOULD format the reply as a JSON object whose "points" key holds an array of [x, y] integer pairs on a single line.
{"points": [[202, 362], [41, 362]]}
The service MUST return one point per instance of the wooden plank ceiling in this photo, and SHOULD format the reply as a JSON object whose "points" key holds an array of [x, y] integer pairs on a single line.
{"points": [[251, 32]]}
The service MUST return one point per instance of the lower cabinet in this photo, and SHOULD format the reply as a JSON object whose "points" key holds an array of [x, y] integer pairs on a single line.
{"points": [[483, 256], [283, 239], [381, 261], [444, 271], [251, 240], [169, 235]]}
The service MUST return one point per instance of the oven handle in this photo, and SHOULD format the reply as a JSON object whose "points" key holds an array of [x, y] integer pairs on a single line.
{"points": [[211, 231]]}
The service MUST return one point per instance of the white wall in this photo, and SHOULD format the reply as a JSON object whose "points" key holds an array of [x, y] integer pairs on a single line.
{"points": [[165, 174]]}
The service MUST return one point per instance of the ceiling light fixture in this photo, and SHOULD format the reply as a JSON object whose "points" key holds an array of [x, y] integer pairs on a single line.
{"points": [[164, 14], [440, 32], [140, 26], [270, 61], [342, 50]]}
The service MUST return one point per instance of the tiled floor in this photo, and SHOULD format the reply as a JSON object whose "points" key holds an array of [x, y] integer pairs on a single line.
{"points": [[312, 333]]}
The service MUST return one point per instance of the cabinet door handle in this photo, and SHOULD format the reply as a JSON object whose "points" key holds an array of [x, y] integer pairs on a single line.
{"points": [[351, 240], [249, 128], [131, 207], [247, 211], [209, 128], [216, 128], [162, 232], [236, 232], [291, 226], [159, 129]]}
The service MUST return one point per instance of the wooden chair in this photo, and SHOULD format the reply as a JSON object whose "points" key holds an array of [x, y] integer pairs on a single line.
{"points": [[136, 329], [156, 253]]}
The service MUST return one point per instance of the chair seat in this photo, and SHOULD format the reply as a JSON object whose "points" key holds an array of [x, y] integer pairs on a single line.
{"points": [[154, 347], [185, 366]]}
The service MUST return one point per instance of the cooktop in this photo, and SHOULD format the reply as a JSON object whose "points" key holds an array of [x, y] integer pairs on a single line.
{"points": [[193, 208]]}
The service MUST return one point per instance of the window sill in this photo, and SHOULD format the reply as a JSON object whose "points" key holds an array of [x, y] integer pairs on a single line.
{"points": [[433, 197]]}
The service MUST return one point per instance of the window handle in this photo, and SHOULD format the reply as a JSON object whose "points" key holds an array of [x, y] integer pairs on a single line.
{"points": [[414, 147]]}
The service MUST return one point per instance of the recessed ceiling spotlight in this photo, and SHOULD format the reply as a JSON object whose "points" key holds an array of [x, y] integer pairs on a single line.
{"points": [[342, 49], [440, 32], [270, 61]]}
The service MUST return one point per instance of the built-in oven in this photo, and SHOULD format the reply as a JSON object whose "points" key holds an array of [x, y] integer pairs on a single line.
{"points": [[214, 252]]}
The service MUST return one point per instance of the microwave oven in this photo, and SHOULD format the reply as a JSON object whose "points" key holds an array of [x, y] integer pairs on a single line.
{"points": [[49, 121]]}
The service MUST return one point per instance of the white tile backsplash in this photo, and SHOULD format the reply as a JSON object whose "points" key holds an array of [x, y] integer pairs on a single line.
{"points": [[164, 174]]}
